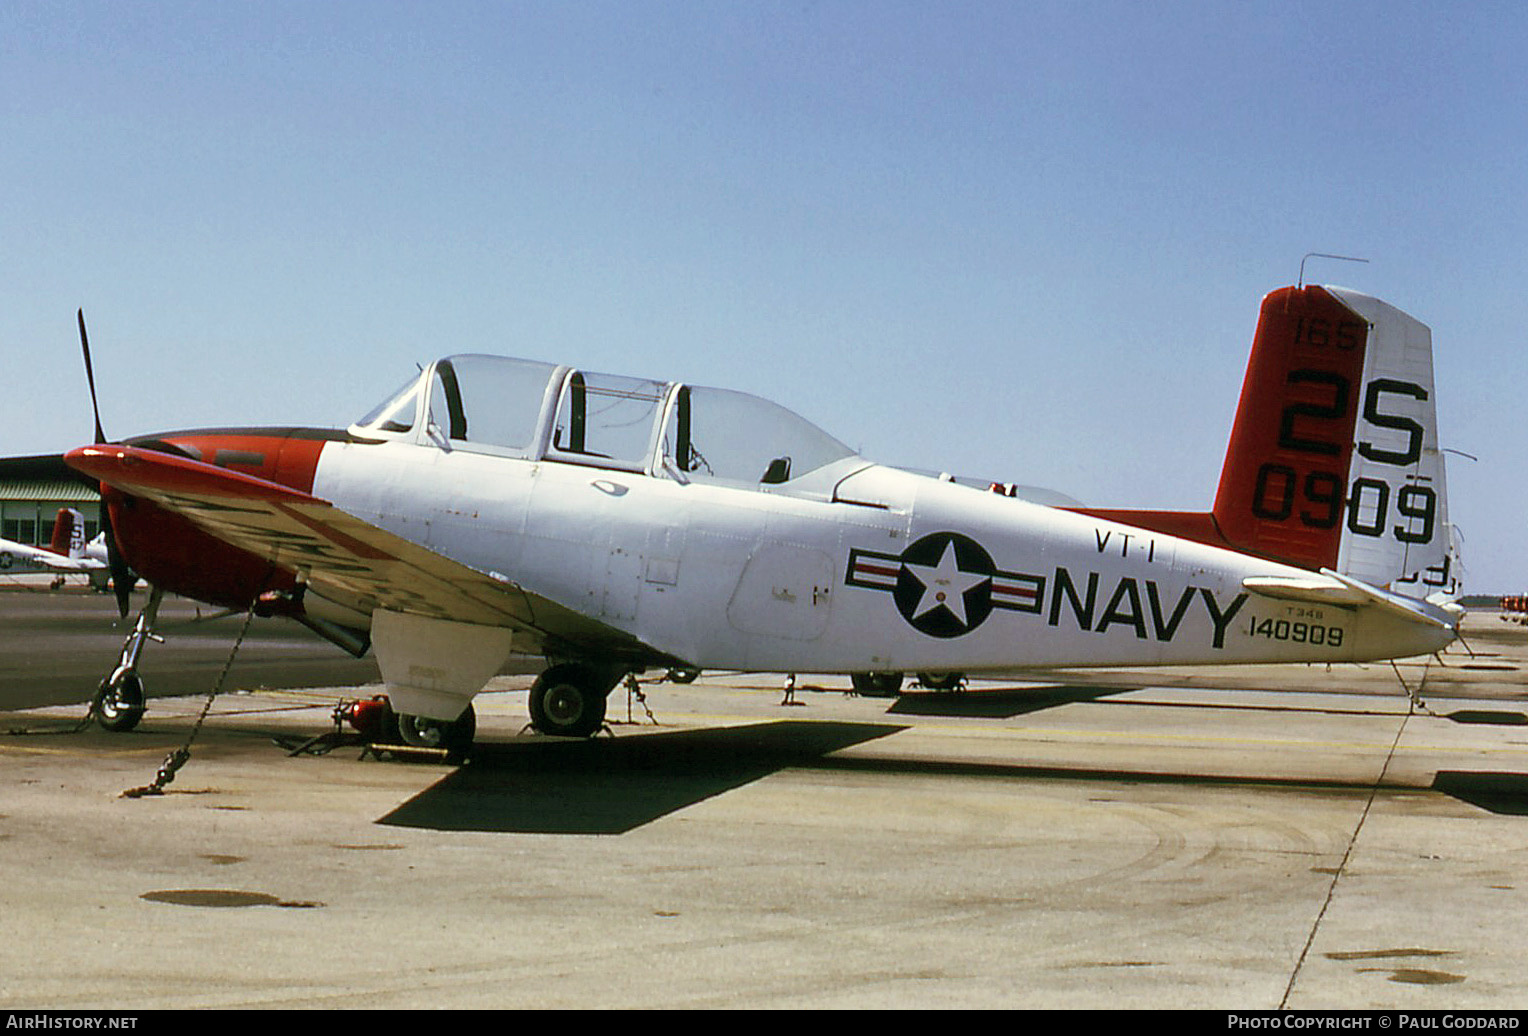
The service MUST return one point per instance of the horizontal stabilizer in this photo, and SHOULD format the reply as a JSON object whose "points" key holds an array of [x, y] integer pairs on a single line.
{"points": [[1334, 589], [1312, 589]]}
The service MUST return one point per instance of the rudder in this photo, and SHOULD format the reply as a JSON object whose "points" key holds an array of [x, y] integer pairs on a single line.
{"points": [[1333, 460]]}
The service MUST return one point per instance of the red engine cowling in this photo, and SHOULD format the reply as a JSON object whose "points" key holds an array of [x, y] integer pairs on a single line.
{"points": [[171, 552]]}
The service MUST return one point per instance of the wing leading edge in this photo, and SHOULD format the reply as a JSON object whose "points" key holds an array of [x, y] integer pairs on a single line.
{"points": [[342, 558]]}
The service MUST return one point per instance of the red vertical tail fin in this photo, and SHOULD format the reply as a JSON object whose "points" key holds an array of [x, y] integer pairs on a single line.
{"points": [[63, 530], [1284, 484], [68, 537], [1333, 460]]}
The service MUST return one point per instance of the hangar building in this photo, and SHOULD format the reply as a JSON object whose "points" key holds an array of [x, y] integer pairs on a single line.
{"points": [[32, 489]]}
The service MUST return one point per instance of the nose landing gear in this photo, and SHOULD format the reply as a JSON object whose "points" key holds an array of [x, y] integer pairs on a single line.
{"points": [[119, 701]]}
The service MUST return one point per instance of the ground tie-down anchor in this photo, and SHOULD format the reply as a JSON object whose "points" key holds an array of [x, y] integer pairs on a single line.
{"points": [[1413, 695], [172, 762], [178, 758], [634, 694]]}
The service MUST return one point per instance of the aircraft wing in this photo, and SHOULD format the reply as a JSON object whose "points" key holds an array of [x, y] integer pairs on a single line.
{"points": [[342, 557]]}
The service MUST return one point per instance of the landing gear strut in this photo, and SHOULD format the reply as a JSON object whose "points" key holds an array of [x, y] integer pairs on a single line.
{"points": [[119, 701]]}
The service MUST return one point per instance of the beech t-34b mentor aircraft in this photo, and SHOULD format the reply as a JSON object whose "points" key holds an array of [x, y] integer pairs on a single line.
{"points": [[610, 524]]}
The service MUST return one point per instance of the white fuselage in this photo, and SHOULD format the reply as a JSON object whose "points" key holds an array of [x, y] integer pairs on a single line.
{"points": [[875, 570]]}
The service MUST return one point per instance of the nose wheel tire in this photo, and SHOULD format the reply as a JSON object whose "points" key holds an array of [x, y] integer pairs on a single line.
{"points": [[569, 701], [119, 706]]}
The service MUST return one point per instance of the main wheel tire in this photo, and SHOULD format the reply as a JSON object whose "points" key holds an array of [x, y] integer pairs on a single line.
{"points": [[877, 685], [683, 674], [941, 681], [569, 701], [120, 706], [455, 736]]}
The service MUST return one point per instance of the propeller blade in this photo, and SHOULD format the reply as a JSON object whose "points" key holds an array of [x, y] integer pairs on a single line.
{"points": [[100, 436], [122, 577]]}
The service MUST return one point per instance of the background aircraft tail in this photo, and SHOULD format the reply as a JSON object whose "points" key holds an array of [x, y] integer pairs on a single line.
{"points": [[68, 533], [1333, 461]]}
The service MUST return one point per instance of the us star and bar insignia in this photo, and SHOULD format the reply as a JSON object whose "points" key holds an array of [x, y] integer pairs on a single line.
{"points": [[945, 584]]}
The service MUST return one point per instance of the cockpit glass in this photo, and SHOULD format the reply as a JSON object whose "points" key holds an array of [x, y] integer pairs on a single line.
{"points": [[396, 412], [498, 405], [724, 436], [488, 400], [603, 417]]}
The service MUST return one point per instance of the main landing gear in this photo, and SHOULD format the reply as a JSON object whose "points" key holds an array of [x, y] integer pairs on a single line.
{"points": [[889, 685], [454, 737], [877, 685], [568, 700], [119, 702], [942, 681], [381, 729]]}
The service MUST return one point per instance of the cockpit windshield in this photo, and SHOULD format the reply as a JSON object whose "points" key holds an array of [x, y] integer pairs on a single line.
{"points": [[396, 412], [524, 408]]}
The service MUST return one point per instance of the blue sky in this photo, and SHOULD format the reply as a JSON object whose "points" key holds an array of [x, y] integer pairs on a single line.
{"points": [[1021, 240]]}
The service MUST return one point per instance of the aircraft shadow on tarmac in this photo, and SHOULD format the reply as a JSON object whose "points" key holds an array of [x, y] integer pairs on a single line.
{"points": [[607, 787], [1488, 717], [603, 786], [1000, 704], [1505, 794]]}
